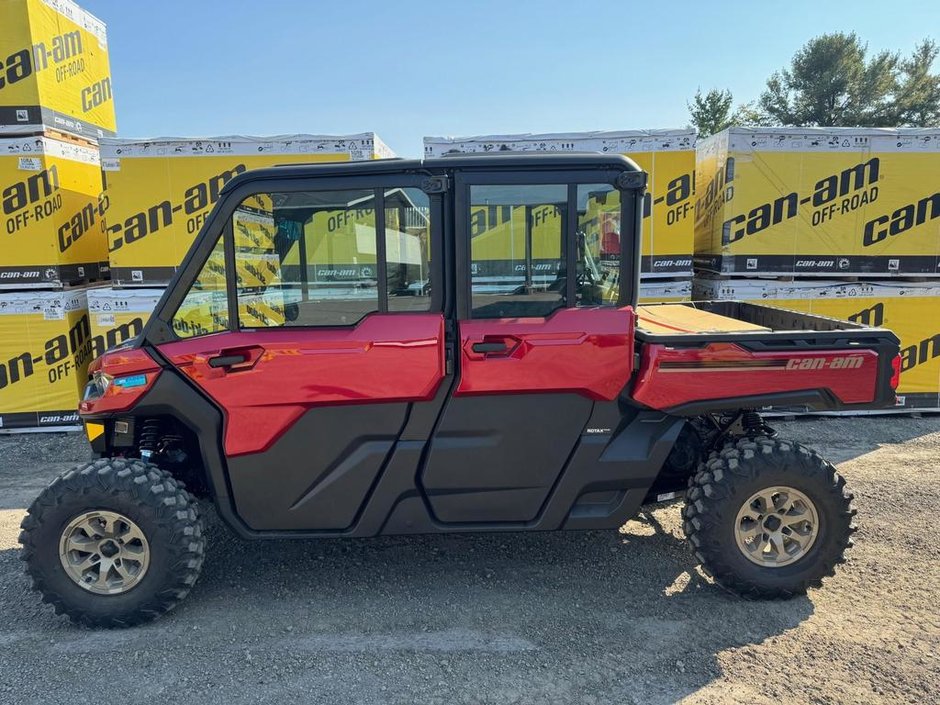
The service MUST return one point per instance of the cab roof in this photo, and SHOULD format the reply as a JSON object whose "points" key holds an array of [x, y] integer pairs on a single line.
{"points": [[442, 165]]}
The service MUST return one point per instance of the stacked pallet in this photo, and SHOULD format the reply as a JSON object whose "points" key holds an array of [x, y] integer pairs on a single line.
{"points": [[55, 103], [668, 156], [836, 221]]}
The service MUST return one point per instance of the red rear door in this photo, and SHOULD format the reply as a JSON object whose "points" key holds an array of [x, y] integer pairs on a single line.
{"points": [[540, 341]]}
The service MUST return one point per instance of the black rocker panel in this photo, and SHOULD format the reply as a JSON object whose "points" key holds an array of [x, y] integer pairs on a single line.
{"points": [[318, 475], [496, 458]]}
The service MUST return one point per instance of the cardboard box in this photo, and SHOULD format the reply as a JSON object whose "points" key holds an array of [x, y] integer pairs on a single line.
{"points": [[161, 191], [54, 70], [45, 348], [667, 155], [665, 291], [911, 310], [117, 315], [818, 201], [52, 207]]}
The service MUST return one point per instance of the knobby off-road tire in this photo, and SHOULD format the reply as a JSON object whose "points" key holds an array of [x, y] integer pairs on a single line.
{"points": [[125, 493], [730, 483]]}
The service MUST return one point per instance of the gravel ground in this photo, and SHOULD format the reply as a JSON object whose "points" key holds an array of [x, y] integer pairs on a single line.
{"points": [[581, 617]]}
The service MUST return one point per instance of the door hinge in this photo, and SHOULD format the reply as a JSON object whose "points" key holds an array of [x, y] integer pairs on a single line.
{"points": [[631, 180], [434, 184]]}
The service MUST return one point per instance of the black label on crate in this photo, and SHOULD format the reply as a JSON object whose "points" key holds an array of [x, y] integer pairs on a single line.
{"points": [[50, 275], [142, 276], [830, 265], [38, 419]]}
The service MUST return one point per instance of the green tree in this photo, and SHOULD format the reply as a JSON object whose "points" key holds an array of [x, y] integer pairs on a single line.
{"points": [[711, 112], [832, 81], [918, 93]]}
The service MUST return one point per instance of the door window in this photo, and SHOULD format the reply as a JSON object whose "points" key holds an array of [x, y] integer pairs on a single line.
{"points": [[323, 258], [408, 249], [204, 310], [517, 250], [598, 245]]}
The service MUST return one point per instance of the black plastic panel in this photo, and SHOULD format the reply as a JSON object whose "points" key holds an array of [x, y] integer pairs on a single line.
{"points": [[319, 474], [496, 458]]}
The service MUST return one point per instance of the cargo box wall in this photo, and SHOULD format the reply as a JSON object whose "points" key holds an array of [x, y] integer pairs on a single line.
{"points": [[819, 201], [161, 191], [52, 207], [911, 310], [668, 156], [54, 70], [45, 348]]}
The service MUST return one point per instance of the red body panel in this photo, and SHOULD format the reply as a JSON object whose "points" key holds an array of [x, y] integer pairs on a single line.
{"points": [[117, 364], [385, 358], [670, 377], [586, 351]]}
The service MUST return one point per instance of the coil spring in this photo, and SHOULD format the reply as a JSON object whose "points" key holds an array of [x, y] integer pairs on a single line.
{"points": [[149, 435], [754, 425]]}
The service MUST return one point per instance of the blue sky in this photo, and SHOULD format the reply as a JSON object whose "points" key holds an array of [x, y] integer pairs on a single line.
{"points": [[406, 69]]}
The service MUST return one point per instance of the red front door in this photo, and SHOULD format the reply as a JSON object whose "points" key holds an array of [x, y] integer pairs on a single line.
{"points": [[314, 328], [271, 378]]}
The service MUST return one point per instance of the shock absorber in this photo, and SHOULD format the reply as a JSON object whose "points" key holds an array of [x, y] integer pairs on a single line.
{"points": [[754, 425], [149, 438]]}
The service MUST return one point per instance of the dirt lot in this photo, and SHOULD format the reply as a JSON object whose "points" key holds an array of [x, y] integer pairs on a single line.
{"points": [[580, 618]]}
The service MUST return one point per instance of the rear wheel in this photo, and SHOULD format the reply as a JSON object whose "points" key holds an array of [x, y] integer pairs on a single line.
{"points": [[768, 518], [113, 543]]}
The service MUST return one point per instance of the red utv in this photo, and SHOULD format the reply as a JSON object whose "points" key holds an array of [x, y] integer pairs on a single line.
{"points": [[447, 345]]}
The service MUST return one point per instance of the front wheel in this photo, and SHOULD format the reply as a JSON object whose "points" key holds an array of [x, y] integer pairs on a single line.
{"points": [[113, 543], [768, 518]]}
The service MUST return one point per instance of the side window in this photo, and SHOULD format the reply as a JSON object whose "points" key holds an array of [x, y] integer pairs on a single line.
{"points": [[204, 309], [408, 249], [517, 253], [598, 243], [313, 258]]}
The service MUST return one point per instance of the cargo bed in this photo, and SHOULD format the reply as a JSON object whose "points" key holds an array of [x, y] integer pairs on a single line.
{"points": [[728, 321], [757, 356]]}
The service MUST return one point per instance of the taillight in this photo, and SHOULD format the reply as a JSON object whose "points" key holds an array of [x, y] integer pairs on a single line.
{"points": [[895, 372]]}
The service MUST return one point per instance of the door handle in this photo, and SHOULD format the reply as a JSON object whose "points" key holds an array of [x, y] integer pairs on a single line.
{"points": [[227, 360], [490, 347]]}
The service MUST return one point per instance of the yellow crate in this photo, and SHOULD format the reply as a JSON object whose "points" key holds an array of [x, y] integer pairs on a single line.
{"points": [[911, 310], [52, 208], [668, 156], [818, 201], [160, 192], [54, 70], [45, 348]]}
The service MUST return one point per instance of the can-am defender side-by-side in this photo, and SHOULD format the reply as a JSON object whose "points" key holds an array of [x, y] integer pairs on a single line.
{"points": [[406, 346]]}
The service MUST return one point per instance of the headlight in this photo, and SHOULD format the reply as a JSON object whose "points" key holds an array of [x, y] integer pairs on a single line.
{"points": [[104, 381], [98, 385]]}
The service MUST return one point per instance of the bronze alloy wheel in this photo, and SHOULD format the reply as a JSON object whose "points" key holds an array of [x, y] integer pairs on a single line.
{"points": [[104, 552], [776, 527]]}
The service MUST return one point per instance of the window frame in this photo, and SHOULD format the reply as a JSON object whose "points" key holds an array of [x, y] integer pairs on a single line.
{"points": [[220, 225], [571, 179]]}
